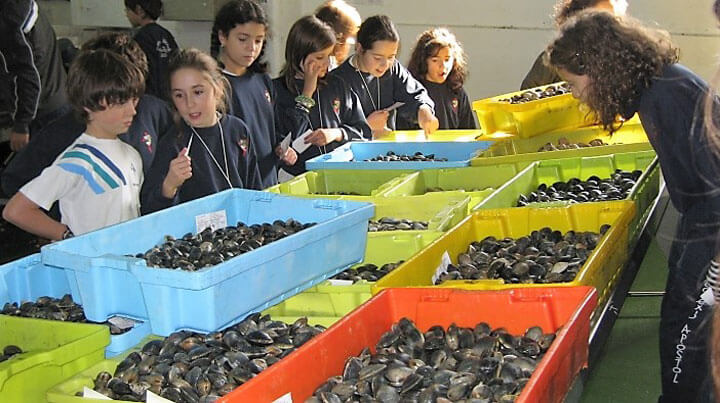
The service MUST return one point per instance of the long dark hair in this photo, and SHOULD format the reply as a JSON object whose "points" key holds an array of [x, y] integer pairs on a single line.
{"points": [[377, 28], [238, 12], [428, 45], [307, 35], [619, 55]]}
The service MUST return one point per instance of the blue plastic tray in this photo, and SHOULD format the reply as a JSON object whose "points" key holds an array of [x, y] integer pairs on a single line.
{"points": [[212, 298], [27, 279], [351, 155]]}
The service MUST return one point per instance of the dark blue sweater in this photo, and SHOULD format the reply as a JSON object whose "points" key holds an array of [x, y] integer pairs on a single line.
{"points": [[252, 96], [206, 178], [339, 107], [452, 108]]}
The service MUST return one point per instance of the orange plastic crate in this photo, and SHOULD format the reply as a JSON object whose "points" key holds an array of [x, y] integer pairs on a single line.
{"points": [[565, 310]]}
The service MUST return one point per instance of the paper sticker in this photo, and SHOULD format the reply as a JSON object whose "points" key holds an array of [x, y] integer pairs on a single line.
{"points": [[214, 220], [123, 323], [285, 144], [153, 398], [91, 394], [299, 143], [286, 398], [442, 268], [394, 106], [340, 282]]}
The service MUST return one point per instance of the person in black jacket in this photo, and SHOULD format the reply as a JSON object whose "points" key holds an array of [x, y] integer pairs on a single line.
{"points": [[33, 62], [152, 120], [211, 151], [310, 100], [619, 67], [157, 43], [439, 63]]}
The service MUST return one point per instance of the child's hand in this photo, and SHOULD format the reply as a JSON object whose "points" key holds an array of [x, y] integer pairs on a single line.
{"points": [[180, 170], [312, 70], [378, 120], [289, 157], [427, 120], [321, 137]]}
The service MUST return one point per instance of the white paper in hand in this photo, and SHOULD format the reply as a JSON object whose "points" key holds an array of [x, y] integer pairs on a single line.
{"points": [[299, 143], [442, 268], [91, 394], [285, 144], [394, 106]]}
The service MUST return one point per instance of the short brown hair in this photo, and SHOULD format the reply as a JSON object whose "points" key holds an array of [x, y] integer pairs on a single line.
{"points": [[98, 77], [307, 35], [343, 18], [428, 45], [122, 44]]}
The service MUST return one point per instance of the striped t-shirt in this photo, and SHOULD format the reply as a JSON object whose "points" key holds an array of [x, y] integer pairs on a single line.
{"points": [[96, 181]]}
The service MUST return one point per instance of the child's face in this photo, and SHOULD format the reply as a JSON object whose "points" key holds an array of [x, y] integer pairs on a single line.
{"points": [[378, 59], [439, 66], [342, 49], [321, 59], [242, 46], [112, 121], [194, 97], [578, 84]]}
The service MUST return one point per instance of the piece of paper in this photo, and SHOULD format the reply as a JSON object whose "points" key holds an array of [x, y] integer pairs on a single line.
{"points": [[394, 106], [286, 398], [299, 143], [123, 323], [442, 268], [153, 398], [91, 394], [340, 282], [285, 144], [214, 221], [284, 176]]}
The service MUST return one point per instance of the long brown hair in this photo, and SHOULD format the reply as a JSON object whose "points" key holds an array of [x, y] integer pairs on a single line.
{"points": [[307, 35], [619, 55], [429, 43]]}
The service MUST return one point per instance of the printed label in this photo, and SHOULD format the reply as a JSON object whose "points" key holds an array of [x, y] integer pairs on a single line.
{"points": [[442, 268], [214, 221]]}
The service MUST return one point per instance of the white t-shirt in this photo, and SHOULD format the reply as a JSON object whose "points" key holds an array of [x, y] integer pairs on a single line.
{"points": [[96, 181]]}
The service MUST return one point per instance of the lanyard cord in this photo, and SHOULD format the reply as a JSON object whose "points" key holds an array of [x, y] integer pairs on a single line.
{"points": [[226, 172], [376, 106]]}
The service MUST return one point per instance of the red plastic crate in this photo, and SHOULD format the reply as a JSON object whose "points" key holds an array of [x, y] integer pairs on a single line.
{"points": [[565, 310]]}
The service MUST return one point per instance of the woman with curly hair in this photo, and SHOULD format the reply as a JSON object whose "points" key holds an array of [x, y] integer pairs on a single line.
{"points": [[539, 73], [440, 64], [619, 67]]}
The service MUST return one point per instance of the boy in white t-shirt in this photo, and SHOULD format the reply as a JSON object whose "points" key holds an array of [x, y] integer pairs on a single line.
{"points": [[97, 179]]}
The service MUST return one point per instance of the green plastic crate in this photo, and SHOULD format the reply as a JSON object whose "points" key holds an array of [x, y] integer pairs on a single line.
{"points": [[326, 303], [453, 180], [54, 351], [549, 171], [440, 135], [321, 183]]}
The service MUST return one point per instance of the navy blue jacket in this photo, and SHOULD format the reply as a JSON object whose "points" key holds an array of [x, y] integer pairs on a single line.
{"points": [[252, 101], [339, 107], [452, 108], [151, 122], [206, 178], [158, 44], [396, 85]]}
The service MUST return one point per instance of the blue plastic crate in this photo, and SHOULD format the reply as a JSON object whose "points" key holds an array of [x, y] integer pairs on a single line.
{"points": [[27, 279], [214, 297], [351, 155]]}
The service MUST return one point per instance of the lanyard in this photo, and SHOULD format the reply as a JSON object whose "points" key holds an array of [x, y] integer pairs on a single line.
{"points": [[225, 173], [376, 106]]}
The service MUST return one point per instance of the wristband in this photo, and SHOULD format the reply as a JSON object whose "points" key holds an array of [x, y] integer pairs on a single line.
{"points": [[305, 102]]}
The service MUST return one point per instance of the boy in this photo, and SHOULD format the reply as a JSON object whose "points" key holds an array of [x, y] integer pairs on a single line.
{"points": [[97, 179]]}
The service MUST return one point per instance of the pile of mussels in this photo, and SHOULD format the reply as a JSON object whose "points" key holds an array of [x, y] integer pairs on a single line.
{"points": [[367, 272], [538, 93], [396, 224], [9, 351], [565, 144], [210, 248], [62, 309], [453, 364], [544, 256], [193, 367], [616, 187], [390, 156]]}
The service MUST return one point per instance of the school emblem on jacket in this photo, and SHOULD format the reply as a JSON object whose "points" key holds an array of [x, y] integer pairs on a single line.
{"points": [[163, 48], [147, 139], [267, 96], [336, 106], [455, 104], [244, 143]]}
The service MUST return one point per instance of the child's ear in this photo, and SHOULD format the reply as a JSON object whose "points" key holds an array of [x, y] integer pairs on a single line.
{"points": [[358, 48], [222, 38], [88, 112]]}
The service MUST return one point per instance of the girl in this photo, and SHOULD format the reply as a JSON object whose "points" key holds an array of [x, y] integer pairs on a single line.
{"points": [[380, 81], [308, 100], [439, 63], [241, 28], [345, 20], [157, 42], [618, 67], [211, 151]]}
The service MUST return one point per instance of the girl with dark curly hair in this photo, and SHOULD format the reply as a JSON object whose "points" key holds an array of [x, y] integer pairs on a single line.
{"points": [[619, 68], [440, 64]]}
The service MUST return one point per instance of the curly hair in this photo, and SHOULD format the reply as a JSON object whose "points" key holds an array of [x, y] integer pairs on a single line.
{"points": [[428, 45], [564, 9], [239, 12], [619, 55]]}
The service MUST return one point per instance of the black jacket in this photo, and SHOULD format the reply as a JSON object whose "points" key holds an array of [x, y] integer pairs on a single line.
{"points": [[539, 74], [158, 44], [452, 108]]}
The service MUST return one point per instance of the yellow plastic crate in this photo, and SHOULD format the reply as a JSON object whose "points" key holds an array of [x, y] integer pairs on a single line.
{"points": [[601, 270], [440, 135], [531, 118]]}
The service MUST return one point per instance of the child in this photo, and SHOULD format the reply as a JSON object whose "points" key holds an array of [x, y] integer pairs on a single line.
{"points": [[241, 28], [618, 67], [439, 63], [380, 80], [157, 42], [345, 20], [308, 100], [97, 179], [211, 151]]}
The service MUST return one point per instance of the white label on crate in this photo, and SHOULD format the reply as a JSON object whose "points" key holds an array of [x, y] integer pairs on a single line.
{"points": [[153, 398], [286, 398], [91, 394], [123, 323], [444, 263], [340, 282], [214, 220]]}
